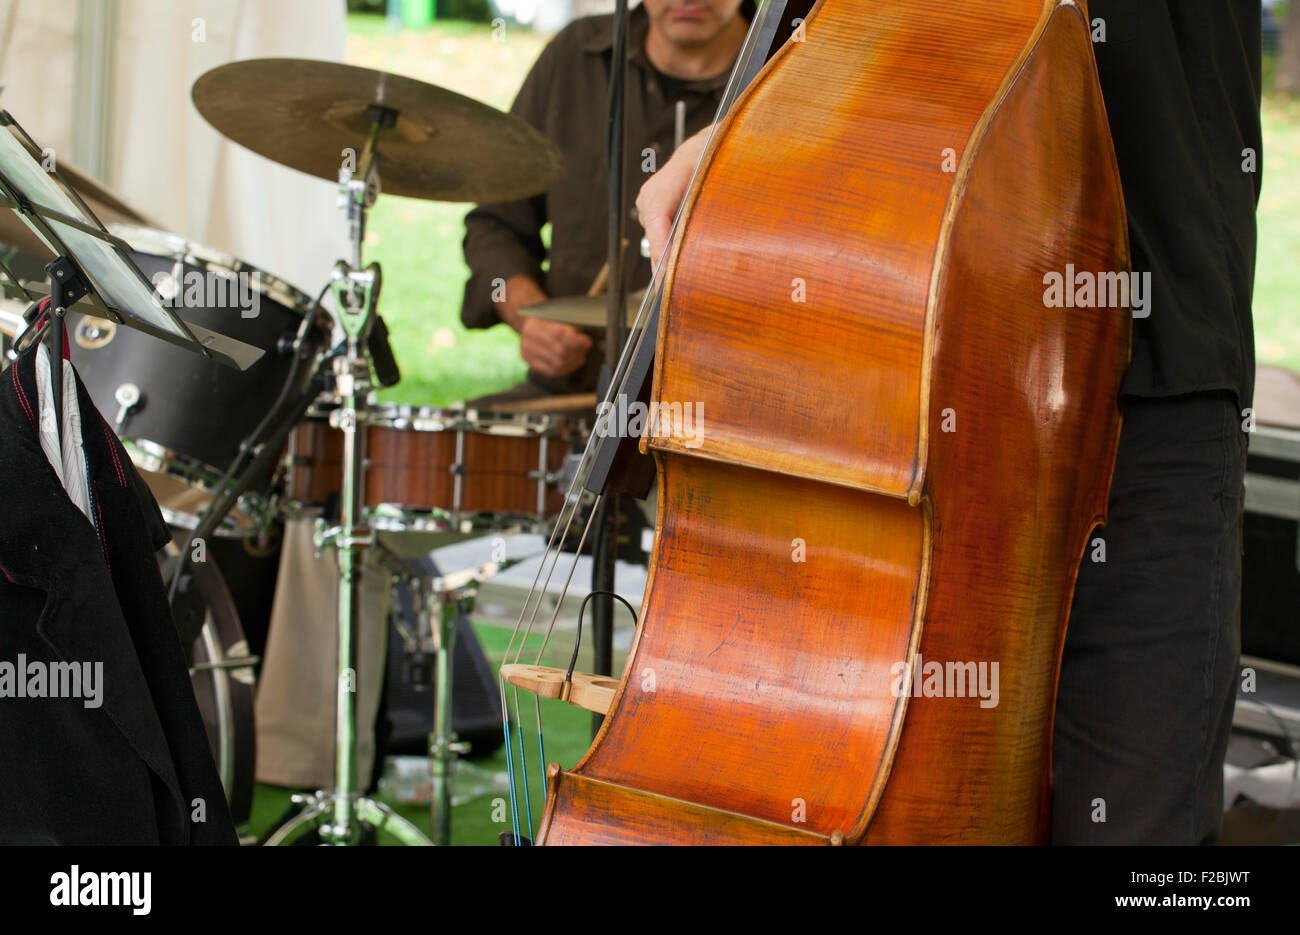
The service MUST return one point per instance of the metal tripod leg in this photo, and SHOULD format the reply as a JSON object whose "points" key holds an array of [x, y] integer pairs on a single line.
{"points": [[338, 814], [318, 808], [443, 748], [314, 809]]}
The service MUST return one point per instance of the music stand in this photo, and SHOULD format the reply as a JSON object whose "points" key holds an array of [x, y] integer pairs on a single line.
{"points": [[90, 264]]}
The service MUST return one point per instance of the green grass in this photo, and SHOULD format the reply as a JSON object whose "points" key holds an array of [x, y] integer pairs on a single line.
{"points": [[442, 362], [1277, 265]]}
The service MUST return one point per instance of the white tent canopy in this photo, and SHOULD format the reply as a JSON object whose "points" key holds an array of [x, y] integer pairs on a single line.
{"points": [[128, 73]]}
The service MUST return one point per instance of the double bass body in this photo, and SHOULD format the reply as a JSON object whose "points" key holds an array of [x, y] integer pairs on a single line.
{"points": [[904, 448]]}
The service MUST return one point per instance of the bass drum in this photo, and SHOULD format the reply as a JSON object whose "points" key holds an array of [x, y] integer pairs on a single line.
{"points": [[181, 417], [222, 673]]}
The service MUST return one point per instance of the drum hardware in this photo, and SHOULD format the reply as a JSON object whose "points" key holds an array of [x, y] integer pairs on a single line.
{"points": [[458, 473], [93, 333], [415, 456], [540, 476], [448, 597], [166, 432], [264, 444], [304, 114], [128, 397], [443, 748], [180, 253], [184, 487], [339, 814]]}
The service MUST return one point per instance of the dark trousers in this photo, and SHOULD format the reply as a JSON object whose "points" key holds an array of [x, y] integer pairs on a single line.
{"points": [[1148, 676]]}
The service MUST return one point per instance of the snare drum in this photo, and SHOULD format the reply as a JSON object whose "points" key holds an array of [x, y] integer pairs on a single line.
{"points": [[440, 469], [180, 416]]}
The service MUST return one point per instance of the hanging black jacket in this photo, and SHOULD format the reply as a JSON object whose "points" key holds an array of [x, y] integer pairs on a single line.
{"points": [[136, 769]]}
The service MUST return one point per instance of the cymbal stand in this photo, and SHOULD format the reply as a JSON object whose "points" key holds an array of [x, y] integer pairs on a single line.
{"points": [[339, 813]]}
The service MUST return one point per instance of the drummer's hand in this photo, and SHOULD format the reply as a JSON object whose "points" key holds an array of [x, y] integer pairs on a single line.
{"points": [[552, 348], [657, 202]]}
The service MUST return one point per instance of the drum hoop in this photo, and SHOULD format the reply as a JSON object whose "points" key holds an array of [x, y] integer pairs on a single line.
{"points": [[150, 456], [160, 459], [481, 421], [162, 244], [392, 517]]}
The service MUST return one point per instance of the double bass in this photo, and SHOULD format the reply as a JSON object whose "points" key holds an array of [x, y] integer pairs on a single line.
{"points": [[906, 444]]}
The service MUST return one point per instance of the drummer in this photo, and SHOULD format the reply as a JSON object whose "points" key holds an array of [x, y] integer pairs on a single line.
{"points": [[678, 51]]}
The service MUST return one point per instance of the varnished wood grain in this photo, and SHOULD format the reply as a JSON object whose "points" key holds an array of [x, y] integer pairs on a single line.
{"points": [[413, 468], [764, 686], [603, 813]]}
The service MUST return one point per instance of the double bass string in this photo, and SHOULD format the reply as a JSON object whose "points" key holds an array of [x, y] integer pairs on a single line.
{"points": [[550, 561], [552, 554], [568, 516], [555, 616], [510, 766], [523, 765]]}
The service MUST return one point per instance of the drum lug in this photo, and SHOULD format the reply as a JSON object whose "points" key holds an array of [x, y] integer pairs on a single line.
{"points": [[326, 536], [128, 397]]}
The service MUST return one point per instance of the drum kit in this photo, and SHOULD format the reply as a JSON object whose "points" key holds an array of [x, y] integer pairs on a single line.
{"points": [[230, 453]]}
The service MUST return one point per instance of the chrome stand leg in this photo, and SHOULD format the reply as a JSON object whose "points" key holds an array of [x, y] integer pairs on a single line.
{"points": [[443, 748], [314, 807], [338, 814]]}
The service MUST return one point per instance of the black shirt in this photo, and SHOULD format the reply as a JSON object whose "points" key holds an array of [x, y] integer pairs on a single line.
{"points": [[1181, 83], [668, 84]]}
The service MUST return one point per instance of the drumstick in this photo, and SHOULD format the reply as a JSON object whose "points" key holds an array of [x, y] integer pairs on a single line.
{"points": [[601, 282]]}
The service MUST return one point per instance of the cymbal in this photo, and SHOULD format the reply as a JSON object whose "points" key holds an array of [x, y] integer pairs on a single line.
{"points": [[443, 146], [582, 311], [106, 205]]}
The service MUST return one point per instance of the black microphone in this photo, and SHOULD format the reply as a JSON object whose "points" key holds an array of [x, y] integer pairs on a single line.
{"points": [[381, 354]]}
